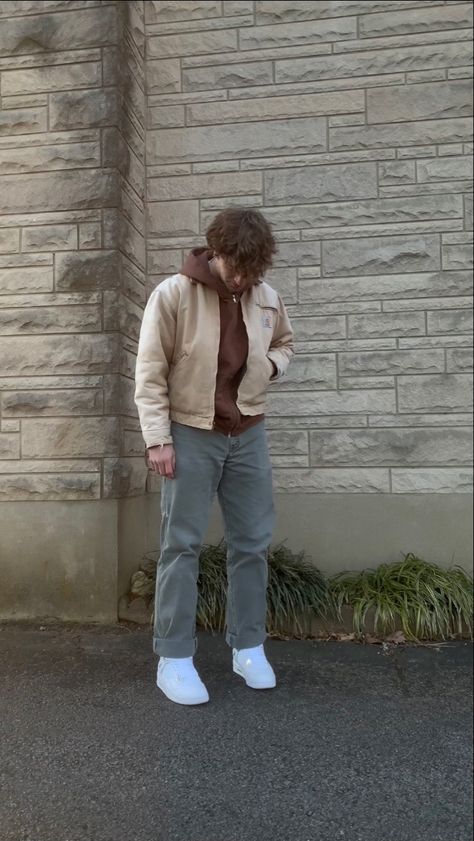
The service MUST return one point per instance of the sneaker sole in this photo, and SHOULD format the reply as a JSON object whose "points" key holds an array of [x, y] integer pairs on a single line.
{"points": [[253, 685], [187, 702]]}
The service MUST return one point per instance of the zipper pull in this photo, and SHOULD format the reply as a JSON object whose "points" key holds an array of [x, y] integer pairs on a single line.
{"points": [[235, 299]]}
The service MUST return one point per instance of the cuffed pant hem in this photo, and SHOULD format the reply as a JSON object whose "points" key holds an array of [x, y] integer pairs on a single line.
{"points": [[247, 641], [174, 648]]}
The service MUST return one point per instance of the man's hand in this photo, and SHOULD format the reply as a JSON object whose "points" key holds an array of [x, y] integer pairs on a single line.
{"points": [[162, 460]]}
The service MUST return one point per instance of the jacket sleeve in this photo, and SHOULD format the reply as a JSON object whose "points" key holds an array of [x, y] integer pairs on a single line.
{"points": [[281, 347], [155, 353]]}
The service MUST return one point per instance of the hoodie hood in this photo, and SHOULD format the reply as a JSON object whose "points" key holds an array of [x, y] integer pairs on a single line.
{"points": [[196, 267]]}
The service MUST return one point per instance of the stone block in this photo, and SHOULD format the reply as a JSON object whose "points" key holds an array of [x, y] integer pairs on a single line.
{"points": [[458, 187], [406, 21], [78, 270], [468, 215], [208, 206], [131, 316], [52, 157], [90, 235], [298, 34], [396, 172], [373, 255], [366, 382], [240, 140], [434, 480], [284, 11], [159, 11], [310, 371], [389, 286], [386, 324], [27, 320], [48, 355], [27, 101], [164, 76], [444, 169], [186, 43], [83, 109], [321, 183], [388, 447], [459, 360], [238, 7], [61, 486], [71, 437], [10, 426], [286, 442], [166, 116], [73, 401], [276, 107], [372, 62], [419, 102], [329, 327], [227, 76], [49, 238], [298, 254], [331, 480], [324, 421], [173, 218], [284, 281], [455, 419], [62, 190], [52, 78], [200, 186], [132, 443], [9, 240], [26, 279], [124, 477], [376, 362], [9, 445], [457, 256], [85, 27], [450, 321], [401, 134], [304, 404], [435, 393], [166, 261], [23, 121], [367, 212]]}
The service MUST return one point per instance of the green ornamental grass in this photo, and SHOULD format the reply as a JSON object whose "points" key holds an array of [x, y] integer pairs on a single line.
{"points": [[297, 591], [427, 601], [423, 599]]}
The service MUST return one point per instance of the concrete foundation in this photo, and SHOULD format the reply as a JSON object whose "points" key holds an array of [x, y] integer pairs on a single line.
{"points": [[73, 560]]}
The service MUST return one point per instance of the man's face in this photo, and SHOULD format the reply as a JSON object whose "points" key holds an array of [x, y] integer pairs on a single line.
{"points": [[227, 274]]}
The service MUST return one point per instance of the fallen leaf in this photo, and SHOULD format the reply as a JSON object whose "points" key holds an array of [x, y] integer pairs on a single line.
{"points": [[371, 640], [397, 638]]}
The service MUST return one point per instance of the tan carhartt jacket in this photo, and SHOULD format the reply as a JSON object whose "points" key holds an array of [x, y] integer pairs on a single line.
{"points": [[178, 349]]}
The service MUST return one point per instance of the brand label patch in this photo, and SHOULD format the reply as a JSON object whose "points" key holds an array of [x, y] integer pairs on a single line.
{"points": [[267, 320]]}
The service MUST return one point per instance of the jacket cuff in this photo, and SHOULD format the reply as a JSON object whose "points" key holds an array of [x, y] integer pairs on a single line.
{"points": [[155, 438], [274, 357]]}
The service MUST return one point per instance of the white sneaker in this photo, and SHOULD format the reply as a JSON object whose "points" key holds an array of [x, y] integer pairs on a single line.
{"points": [[253, 666], [179, 680]]}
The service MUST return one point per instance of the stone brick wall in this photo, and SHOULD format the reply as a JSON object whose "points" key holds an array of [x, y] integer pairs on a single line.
{"points": [[348, 124], [72, 143], [124, 127]]}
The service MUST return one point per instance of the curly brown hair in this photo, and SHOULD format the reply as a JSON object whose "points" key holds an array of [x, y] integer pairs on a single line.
{"points": [[244, 239]]}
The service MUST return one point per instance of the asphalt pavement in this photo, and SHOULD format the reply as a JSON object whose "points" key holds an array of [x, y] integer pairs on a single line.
{"points": [[357, 742]]}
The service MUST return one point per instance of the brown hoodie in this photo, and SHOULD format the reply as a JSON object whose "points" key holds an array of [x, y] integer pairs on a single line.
{"points": [[233, 346]]}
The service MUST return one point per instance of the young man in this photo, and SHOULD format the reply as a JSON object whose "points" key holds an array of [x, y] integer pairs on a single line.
{"points": [[212, 339]]}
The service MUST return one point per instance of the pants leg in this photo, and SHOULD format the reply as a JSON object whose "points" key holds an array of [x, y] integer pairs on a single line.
{"points": [[186, 502], [246, 499]]}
